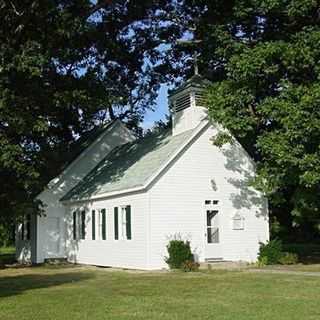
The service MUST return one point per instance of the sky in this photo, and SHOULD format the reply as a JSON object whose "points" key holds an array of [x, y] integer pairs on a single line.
{"points": [[160, 110]]}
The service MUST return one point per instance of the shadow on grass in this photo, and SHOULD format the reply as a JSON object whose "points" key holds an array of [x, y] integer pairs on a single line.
{"points": [[15, 285], [7, 258], [308, 253]]}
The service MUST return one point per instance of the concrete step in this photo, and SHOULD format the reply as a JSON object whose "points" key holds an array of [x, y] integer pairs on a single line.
{"points": [[56, 261], [223, 265]]}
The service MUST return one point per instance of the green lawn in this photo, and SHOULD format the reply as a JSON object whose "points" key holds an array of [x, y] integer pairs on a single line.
{"points": [[7, 255], [93, 293]]}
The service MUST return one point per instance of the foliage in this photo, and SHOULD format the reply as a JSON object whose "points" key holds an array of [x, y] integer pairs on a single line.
{"points": [[179, 251], [67, 67], [190, 266], [262, 262], [288, 258], [271, 252], [307, 252], [262, 57], [6, 235]]}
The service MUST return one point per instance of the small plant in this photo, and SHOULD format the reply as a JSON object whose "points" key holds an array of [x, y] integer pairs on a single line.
{"points": [[262, 262], [289, 258], [179, 251], [190, 266], [272, 250]]}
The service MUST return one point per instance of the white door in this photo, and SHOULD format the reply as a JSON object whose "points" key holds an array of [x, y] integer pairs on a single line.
{"points": [[212, 235], [52, 237]]}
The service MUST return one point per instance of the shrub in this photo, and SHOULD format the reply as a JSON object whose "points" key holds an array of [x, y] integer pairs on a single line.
{"points": [[179, 251], [189, 266], [272, 250], [263, 261], [288, 258]]}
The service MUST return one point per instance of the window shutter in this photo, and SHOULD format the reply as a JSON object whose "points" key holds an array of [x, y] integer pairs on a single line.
{"points": [[93, 221], [74, 225], [128, 222], [83, 225], [28, 227], [103, 224], [116, 223]]}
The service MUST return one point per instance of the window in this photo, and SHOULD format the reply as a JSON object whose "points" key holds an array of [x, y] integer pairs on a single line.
{"points": [[124, 222], [212, 226], [116, 223], [22, 231], [75, 225], [103, 224], [83, 225], [237, 222], [93, 222]]}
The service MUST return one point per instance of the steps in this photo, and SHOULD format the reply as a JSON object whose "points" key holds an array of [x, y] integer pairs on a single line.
{"points": [[223, 265], [55, 261]]}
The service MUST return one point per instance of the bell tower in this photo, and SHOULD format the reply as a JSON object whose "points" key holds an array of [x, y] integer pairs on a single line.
{"points": [[187, 104]]}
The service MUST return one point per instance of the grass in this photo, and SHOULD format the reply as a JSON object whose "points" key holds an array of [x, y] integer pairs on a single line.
{"points": [[92, 293], [7, 255]]}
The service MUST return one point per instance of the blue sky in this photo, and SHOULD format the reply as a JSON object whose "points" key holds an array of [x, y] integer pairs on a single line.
{"points": [[160, 110]]}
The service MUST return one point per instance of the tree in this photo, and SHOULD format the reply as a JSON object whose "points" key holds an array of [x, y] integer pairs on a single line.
{"points": [[262, 57], [65, 68]]}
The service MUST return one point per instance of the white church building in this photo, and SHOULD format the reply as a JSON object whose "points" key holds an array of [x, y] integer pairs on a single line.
{"points": [[121, 200]]}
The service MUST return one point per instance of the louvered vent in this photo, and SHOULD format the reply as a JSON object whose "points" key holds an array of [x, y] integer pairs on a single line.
{"points": [[182, 102], [200, 99]]}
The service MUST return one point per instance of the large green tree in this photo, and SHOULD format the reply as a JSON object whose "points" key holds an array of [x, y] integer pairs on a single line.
{"points": [[65, 68], [263, 58]]}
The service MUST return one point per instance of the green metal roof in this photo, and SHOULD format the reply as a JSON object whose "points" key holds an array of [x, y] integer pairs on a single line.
{"points": [[129, 166]]}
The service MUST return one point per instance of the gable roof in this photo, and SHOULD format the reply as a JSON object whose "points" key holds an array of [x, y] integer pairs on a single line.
{"points": [[84, 143], [131, 166], [86, 139]]}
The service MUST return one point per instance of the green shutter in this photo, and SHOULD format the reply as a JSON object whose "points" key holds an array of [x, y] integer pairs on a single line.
{"points": [[103, 224], [74, 225], [116, 223], [93, 221], [83, 225], [28, 227], [128, 222]]}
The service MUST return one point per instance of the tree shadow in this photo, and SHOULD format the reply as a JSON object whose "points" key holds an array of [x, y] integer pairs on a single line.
{"points": [[15, 285], [247, 196], [128, 165]]}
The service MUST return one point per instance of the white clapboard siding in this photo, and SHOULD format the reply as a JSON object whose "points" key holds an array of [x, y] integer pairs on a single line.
{"points": [[177, 202], [110, 252], [116, 135]]}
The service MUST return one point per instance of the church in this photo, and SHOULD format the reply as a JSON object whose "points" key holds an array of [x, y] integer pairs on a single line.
{"points": [[122, 199]]}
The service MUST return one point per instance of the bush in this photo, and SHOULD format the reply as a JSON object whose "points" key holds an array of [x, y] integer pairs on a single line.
{"points": [[190, 266], [272, 250], [288, 258], [263, 261], [179, 251]]}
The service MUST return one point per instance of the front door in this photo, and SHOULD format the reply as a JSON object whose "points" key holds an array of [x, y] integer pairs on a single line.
{"points": [[52, 237], [212, 235]]}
